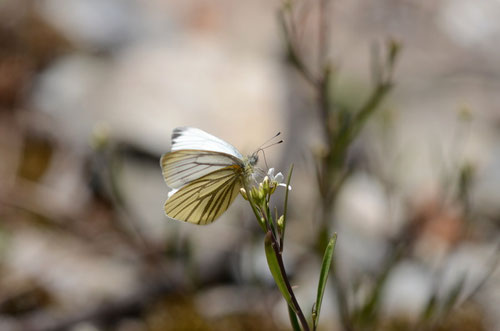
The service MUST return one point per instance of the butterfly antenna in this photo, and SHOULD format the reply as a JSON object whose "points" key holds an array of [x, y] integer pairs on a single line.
{"points": [[265, 160], [264, 146], [276, 143], [261, 147]]}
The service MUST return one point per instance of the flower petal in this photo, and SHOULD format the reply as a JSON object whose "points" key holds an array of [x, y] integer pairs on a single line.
{"points": [[284, 185], [279, 177]]}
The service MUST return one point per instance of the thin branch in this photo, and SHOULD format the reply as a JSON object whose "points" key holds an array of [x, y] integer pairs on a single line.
{"points": [[323, 33], [293, 54]]}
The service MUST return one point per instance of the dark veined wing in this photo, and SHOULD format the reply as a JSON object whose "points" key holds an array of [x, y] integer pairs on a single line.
{"points": [[192, 138], [203, 200], [184, 166]]}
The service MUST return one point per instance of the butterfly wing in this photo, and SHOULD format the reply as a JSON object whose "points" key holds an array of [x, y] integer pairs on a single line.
{"points": [[204, 199], [188, 138], [183, 166], [205, 173]]}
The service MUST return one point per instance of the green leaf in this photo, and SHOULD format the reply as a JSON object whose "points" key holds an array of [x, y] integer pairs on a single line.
{"points": [[325, 269], [274, 267], [293, 319]]}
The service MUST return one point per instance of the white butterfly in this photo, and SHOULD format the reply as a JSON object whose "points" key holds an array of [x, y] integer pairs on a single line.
{"points": [[205, 174]]}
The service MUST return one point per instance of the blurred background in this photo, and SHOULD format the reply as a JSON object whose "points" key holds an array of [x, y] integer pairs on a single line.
{"points": [[90, 92]]}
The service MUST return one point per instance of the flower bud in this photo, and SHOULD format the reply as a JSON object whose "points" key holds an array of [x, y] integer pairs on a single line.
{"points": [[265, 184], [281, 223]]}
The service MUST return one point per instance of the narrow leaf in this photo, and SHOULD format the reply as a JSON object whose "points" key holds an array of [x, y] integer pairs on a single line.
{"points": [[274, 267], [325, 269], [293, 319]]}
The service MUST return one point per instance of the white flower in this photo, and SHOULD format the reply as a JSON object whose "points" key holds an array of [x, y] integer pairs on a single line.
{"points": [[278, 178]]}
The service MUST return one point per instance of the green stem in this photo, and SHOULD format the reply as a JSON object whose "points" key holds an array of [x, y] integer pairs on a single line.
{"points": [[296, 306]]}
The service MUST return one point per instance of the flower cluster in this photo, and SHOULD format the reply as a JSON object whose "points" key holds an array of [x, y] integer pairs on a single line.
{"points": [[259, 197], [266, 188]]}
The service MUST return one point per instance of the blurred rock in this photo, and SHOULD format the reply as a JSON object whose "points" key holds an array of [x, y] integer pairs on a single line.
{"points": [[364, 224], [364, 206], [27, 44], [85, 326], [67, 91], [77, 277], [196, 83], [161, 88], [94, 24], [407, 291], [223, 300], [487, 191], [437, 228], [470, 24], [471, 263]]}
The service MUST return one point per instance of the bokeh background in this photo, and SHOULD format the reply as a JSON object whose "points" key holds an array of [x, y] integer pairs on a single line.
{"points": [[90, 92]]}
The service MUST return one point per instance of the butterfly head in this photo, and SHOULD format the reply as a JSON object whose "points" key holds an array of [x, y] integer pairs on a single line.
{"points": [[249, 163], [253, 159]]}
